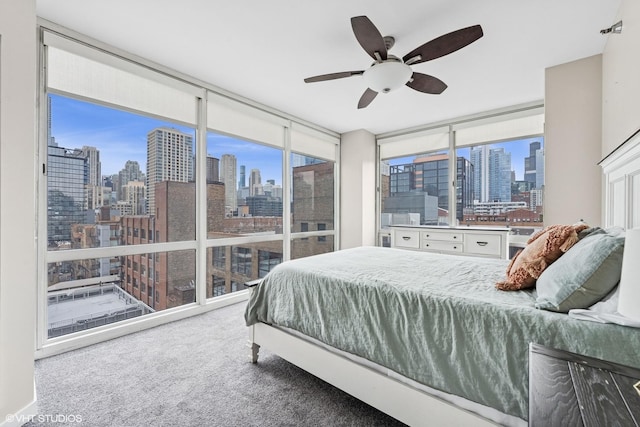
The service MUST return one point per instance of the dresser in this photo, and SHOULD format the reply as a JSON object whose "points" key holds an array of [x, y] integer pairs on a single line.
{"points": [[566, 389], [489, 242]]}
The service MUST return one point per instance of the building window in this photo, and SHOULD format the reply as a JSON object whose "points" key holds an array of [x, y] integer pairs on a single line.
{"points": [[322, 227], [241, 260], [218, 286], [219, 257], [267, 260]]}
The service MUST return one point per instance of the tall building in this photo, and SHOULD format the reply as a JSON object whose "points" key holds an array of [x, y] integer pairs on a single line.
{"points": [[540, 168], [531, 163], [169, 158], [499, 175], [255, 183], [67, 176], [130, 172], [492, 174], [213, 169], [312, 207], [93, 163], [133, 194], [480, 161], [243, 180], [228, 173], [93, 193], [430, 174]]}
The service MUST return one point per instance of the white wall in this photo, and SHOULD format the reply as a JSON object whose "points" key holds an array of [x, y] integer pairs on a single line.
{"points": [[573, 129], [621, 81], [357, 189], [18, 54]]}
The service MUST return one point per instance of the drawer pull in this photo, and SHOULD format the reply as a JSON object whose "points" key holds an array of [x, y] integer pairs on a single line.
{"points": [[482, 243], [406, 238], [455, 237], [455, 247]]}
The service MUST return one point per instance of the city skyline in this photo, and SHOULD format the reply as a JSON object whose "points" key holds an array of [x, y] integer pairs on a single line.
{"points": [[121, 136]]}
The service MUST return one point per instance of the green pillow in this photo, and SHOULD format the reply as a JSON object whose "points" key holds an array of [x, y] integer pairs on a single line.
{"points": [[585, 274]]}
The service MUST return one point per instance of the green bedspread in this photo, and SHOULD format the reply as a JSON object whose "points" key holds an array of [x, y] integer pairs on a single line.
{"points": [[436, 319]]}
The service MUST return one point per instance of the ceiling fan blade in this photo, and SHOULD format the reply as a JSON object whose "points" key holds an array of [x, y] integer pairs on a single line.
{"points": [[444, 45], [426, 83], [369, 37], [366, 98], [332, 76]]}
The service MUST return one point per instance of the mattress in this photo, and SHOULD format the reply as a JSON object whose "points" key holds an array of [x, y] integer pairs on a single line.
{"points": [[435, 319]]}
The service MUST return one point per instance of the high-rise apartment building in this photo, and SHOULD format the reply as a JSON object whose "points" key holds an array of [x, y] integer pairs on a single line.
{"points": [[213, 169], [243, 177], [480, 161], [93, 194], [492, 174], [540, 168], [67, 176], [499, 175], [94, 174], [134, 195], [531, 163], [169, 158], [255, 183], [228, 174], [130, 172], [430, 174]]}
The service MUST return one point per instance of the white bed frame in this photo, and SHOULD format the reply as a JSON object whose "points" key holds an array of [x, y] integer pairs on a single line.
{"points": [[401, 401], [412, 406]]}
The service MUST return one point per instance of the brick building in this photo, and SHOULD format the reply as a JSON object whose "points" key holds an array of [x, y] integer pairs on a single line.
{"points": [[312, 208]]}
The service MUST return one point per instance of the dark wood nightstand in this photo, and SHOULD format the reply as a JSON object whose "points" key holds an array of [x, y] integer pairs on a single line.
{"points": [[567, 389]]}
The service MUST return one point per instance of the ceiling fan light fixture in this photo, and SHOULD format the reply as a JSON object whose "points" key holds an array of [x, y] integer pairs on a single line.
{"points": [[387, 75]]}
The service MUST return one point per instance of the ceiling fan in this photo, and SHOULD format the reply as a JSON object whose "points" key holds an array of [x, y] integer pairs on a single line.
{"points": [[389, 72]]}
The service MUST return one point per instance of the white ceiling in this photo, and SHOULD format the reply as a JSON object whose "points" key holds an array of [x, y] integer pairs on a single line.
{"points": [[263, 50]]}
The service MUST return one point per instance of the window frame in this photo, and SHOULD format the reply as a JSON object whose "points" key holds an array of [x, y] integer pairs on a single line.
{"points": [[200, 244], [406, 140]]}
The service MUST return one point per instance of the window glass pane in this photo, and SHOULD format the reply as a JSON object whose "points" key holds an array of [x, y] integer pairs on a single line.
{"points": [[301, 248], [230, 267], [502, 184], [312, 205], [111, 173], [87, 293], [244, 188], [414, 190]]}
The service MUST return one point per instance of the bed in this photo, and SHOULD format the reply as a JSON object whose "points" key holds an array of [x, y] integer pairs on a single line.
{"points": [[427, 338], [423, 319]]}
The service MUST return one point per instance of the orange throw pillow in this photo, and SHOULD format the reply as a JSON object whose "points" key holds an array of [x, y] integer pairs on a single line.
{"points": [[543, 248]]}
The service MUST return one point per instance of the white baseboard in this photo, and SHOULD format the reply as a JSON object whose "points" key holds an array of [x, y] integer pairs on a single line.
{"points": [[28, 413]]}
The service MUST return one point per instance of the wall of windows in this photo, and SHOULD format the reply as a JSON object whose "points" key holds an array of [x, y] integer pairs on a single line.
{"points": [[480, 171], [163, 196]]}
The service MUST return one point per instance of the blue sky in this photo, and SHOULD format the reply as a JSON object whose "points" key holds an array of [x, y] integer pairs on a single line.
{"points": [[122, 136]]}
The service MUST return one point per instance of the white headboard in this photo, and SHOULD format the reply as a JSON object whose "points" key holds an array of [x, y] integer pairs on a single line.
{"points": [[621, 192]]}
